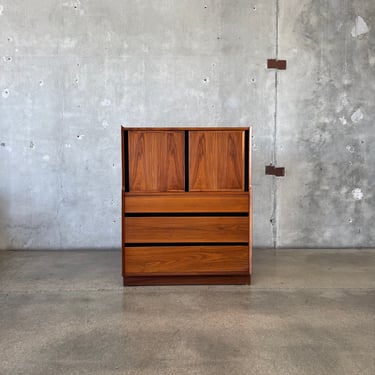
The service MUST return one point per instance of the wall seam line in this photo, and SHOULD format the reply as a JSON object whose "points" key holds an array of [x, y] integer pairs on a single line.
{"points": [[274, 187]]}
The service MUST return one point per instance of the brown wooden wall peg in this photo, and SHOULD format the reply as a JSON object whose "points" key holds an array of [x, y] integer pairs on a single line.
{"points": [[276, 64], [273, 171]]}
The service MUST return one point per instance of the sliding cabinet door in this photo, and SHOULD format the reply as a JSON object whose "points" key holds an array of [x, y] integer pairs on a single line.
{"points": [[216, 160], [156, 161]]}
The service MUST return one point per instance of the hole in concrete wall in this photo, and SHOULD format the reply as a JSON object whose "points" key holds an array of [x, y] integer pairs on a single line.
{"points": [[350, 149], [5, 93], [2, 144], [253, 80], [32, 145], [41, 82], [254, 7], [206, 80]]}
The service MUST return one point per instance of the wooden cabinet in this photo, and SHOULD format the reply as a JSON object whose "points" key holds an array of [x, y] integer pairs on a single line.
{"points": [[186, 206]]}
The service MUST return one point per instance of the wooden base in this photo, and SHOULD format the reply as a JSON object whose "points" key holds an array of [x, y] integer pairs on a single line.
{"points": [[188, 280]]}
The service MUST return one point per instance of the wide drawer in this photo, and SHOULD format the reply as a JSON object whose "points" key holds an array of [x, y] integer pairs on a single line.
{"points": [[186, 260], [186, 229], [187, 202]]}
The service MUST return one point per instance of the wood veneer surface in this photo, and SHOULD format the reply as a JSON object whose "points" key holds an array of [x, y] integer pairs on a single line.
{"points": [[187, 202], [186, 260], [216, 160], [186, 229], [156, 161]]}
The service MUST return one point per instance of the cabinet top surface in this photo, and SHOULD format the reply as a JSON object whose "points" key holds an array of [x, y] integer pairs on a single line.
{"points": [[228, 128]]}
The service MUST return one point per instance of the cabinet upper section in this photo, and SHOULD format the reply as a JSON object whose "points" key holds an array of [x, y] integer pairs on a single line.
{"points": [[186, 159]]}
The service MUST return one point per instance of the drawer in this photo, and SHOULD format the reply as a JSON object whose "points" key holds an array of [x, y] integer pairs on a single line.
{"points": [[187, 202], [186, 260], [186, 229]]}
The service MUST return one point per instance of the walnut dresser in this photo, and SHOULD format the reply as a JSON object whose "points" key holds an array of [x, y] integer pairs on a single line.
{"points": [[186, 206]]}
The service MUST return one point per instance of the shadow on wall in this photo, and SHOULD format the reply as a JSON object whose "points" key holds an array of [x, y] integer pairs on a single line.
{"points": [[5, 236]]}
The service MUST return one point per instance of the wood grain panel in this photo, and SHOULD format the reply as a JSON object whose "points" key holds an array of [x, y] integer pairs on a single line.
{"points": [[156, 161], [216, 160], [186, 229], [187, 202], [186, 260], [188, 280]]}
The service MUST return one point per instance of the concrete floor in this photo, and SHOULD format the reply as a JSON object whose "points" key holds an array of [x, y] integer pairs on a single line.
{"points": [[307, 312]]}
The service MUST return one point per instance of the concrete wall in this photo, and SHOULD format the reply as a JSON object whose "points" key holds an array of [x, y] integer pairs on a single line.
{"points": [[325, 124], [71, 72]]}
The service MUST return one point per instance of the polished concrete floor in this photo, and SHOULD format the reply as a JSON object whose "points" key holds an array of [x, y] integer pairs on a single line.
{"points": [[307, 312]]}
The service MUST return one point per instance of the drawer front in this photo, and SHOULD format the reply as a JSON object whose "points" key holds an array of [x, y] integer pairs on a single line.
{"points": [[186, 260], [187, 202], [186, 229]]}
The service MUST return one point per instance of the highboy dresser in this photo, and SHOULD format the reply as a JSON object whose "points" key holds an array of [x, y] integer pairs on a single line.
{"points": [[186, 206]]}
